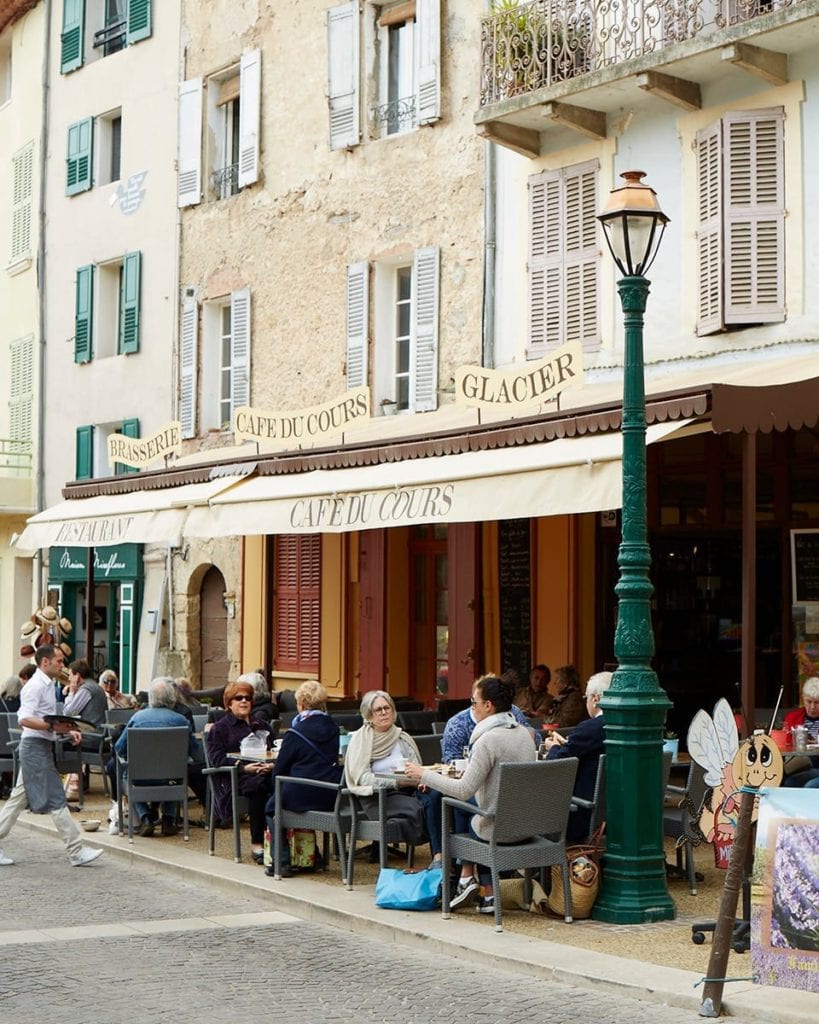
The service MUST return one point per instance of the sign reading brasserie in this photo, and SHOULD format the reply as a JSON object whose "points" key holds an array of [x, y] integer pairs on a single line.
{"points": [[139, 452], [476, 387], [304, 424]]}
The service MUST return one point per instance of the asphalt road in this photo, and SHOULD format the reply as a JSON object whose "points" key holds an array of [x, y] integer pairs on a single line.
{"points": [[132, 946]]}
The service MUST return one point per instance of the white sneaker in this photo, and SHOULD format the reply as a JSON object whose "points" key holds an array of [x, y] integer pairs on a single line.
{"points": [[85, 856], [4, 860], [465, 893]]}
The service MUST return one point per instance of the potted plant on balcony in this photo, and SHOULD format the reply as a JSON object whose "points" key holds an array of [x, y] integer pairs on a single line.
{"points": [[388, 406]]}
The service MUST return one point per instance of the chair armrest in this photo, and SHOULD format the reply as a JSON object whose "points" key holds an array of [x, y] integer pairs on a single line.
{"points": [[463, 805], [307, 782], [578, 802], [680, 790], [222, 769]]}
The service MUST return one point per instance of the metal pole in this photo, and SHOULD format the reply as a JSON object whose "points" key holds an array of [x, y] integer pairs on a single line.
{"points": [[634, 882]]}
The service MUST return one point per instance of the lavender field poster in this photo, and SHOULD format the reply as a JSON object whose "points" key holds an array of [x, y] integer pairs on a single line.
{"points": [[785, 890]]}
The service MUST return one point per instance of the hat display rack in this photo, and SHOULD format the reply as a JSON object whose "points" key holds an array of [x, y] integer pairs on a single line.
{"points": [[45, 627]]}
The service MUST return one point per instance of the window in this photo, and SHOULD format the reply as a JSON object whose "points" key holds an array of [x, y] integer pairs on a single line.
{"points": [[107, 308], [21, 391], [5, 68], [22, 165], [98, 28], [94, 150], [225, 362], [403, 47], [297, 602], [564, 258], [91, 449], [741, 216], [233, 120], [406, 330]]}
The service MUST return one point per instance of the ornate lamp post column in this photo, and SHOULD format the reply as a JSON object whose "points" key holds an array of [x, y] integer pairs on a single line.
{"points": [[634, 887]]}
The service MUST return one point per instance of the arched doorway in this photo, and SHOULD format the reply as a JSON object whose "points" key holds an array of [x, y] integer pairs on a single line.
{"points": [[214, 664]]}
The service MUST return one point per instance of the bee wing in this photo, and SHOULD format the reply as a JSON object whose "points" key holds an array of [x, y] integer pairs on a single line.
{"points": [[726, 727], [704, 747]]}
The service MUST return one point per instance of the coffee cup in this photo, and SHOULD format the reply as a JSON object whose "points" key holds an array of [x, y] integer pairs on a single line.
{"points": [[401, 764], [459, 765]]}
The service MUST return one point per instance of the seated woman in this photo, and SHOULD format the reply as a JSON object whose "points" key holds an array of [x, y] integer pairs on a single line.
{"points": [[497, 739], [534, 699], [254, 777], [377, 749], [309, 750], [807, 714], [587, 742], [567, 705]]}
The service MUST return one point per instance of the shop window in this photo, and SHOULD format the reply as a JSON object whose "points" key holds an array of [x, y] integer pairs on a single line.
{"points": [[402, 46], [297, 602], [98, 28], [741, 214], [107, 308], [233, 114], [564, 259], [405, 373]]}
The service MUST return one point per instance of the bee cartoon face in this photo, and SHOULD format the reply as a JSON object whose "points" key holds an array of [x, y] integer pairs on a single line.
{"points": [[758, 762]]}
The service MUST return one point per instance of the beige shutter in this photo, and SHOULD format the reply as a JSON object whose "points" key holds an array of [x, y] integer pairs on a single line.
{"points": [[21, 391], [187, 367], [189, 163], [754, 217], [357, 321], [240, 356], [428, 62], [343, 71], [250, 117], [424, 355], [581, 258], [709, 229], [23, 165], [544, 282]]}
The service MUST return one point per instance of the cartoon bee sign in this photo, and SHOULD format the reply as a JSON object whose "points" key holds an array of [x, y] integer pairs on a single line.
{"points": [[713, 742]]}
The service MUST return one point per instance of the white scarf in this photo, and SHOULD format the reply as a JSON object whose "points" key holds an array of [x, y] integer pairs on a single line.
{"points": [[500, 720]]}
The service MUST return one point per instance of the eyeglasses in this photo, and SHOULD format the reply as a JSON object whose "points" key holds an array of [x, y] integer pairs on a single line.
{"points": [[382, 709], [477, 700], [244, 696]]}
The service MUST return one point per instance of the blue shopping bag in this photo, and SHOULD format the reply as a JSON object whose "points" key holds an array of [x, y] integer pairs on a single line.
{"points": [[408, 890]]}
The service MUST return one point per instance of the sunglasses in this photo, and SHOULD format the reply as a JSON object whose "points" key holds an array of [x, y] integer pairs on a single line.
{"points": [[243, 697]]}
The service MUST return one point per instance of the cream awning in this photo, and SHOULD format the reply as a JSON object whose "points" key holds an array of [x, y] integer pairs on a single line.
{"points": [[568, 475], [136, 517]]}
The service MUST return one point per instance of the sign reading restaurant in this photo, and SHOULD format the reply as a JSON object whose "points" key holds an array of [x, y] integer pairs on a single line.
{"points": [[309, 424], [478, 388], [139, 452]]}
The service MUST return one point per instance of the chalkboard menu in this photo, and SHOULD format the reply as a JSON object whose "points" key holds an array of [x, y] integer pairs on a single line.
{"points": [[805, 556], [514, 576]]}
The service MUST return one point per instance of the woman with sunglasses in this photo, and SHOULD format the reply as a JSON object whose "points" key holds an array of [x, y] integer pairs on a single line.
{"points": [[224, 738]]}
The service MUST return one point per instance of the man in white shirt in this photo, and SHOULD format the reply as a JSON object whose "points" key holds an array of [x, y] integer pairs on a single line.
{"points": [[38, 781]]}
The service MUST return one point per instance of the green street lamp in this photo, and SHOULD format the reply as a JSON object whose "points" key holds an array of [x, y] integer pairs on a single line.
{"points": [[634, 886]]}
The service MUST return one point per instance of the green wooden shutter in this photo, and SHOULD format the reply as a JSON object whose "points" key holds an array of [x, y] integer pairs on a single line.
{"points": [[130, 428], [83, 314], [78, 160], [139, 20], [71, 39], [129, 304], [84, 457]]}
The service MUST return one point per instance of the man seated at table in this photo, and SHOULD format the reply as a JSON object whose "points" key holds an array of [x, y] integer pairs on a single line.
{"points": [[162, 695]]}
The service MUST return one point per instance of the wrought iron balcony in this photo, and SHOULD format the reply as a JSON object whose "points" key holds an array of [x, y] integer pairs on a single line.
{"points": [[392, 118], [226, 180]]}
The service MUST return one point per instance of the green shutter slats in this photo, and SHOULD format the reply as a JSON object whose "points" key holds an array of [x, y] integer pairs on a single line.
{"points": [[129, 305], [83, 314], [139, 20], [71, 38], [78, 158], [84, 459], [130, 428]]}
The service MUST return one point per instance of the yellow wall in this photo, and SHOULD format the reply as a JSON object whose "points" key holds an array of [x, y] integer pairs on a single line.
{"points": [[253, 605]]}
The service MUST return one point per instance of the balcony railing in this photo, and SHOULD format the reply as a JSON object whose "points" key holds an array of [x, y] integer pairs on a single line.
{"points": [[15, 457], [541, 43], [394, 117], [226, 180]]}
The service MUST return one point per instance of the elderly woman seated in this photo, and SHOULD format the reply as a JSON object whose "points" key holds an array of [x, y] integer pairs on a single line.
{"points": [[309, 750], [374, 756], [225, 738], [806, 715]]}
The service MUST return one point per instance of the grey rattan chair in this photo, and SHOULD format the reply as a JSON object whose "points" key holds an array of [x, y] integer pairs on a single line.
{"points": [[383, 831], [238, 803], [678, 821], [597, 804], [417, 723], [336, 822], [7, 720], [528, 828], [156, 766]]}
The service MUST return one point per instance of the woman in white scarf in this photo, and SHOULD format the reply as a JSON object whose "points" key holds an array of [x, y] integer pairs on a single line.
{"points": [[375, 759]]}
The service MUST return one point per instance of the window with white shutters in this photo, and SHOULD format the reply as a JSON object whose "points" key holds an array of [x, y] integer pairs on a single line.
{"points": [[22, 169], [187, 357], [564, 259], [741, 221], [225, 376], [297, 602], [21, 390]]}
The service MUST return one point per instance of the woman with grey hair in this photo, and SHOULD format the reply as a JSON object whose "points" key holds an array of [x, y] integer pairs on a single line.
{"points": [[807, 715], [10, 694], [376, 756]]}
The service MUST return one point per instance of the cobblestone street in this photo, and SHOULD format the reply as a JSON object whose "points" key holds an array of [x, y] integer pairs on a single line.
{"points": [[131, 945]]}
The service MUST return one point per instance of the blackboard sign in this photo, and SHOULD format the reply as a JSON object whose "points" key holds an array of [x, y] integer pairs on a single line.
{"points": [[514, 578], [805, 565]]}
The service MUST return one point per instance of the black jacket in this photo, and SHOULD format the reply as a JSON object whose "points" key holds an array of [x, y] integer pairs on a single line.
{"points": [[300, 759]]}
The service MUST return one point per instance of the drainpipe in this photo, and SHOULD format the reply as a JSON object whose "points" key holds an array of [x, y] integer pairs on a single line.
{"points": [[41, 281], [489, 245]]}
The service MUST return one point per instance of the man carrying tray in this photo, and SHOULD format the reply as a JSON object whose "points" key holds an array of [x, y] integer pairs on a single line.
{"points": [[38, 780]]}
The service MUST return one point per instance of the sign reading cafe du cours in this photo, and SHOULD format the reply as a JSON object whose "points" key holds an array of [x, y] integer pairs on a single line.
{"points": [[540, 382], [302, 425]]}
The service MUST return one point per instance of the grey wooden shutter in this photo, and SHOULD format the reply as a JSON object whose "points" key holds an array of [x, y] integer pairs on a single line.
{"points": [[581, 256], [709, 229], [240, 338], [754, 217], [424, 358], [343, 74], [189, 163], [544, 262], [250, 72], [357, 322], [187, 368], [428, 61]]}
